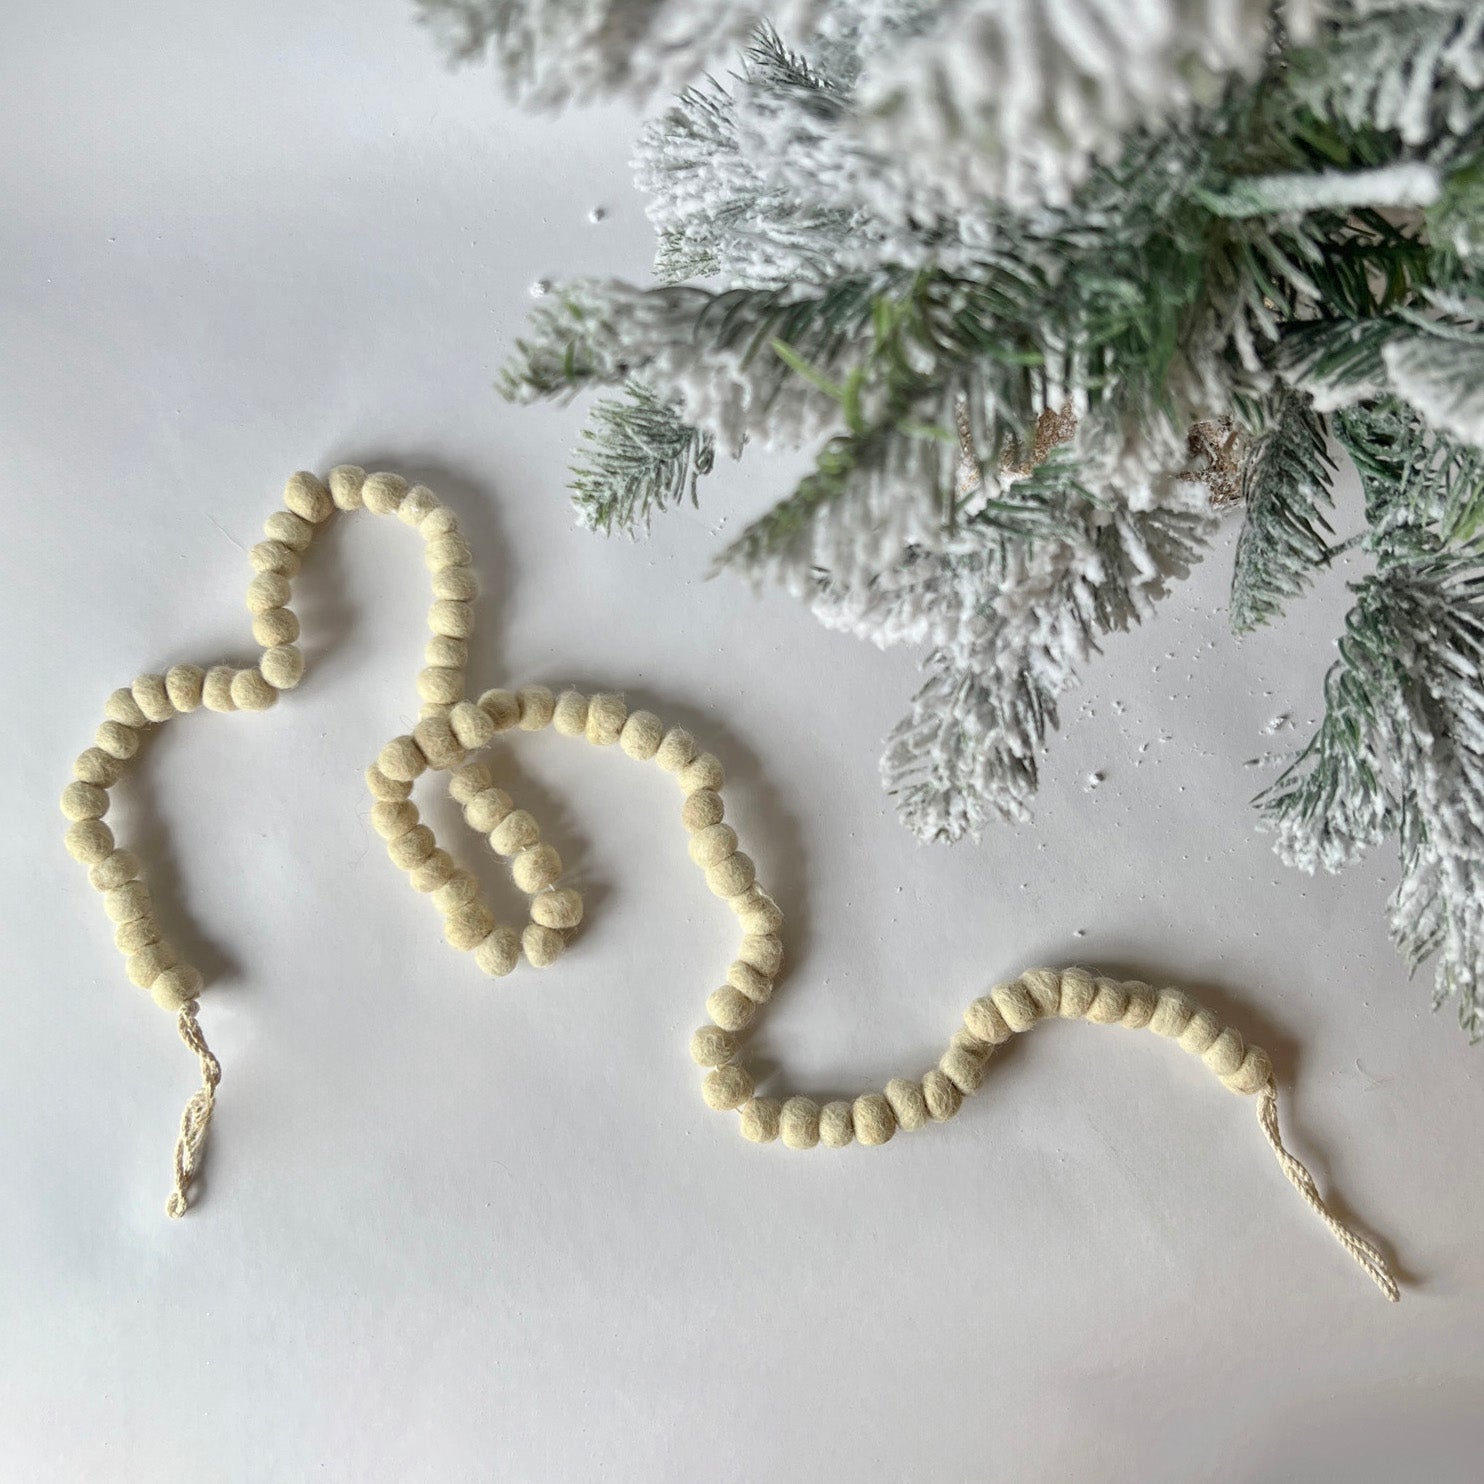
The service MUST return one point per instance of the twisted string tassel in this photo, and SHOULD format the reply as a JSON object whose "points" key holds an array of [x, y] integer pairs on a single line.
{"points": [[1365, 1253], [196, 1118]]}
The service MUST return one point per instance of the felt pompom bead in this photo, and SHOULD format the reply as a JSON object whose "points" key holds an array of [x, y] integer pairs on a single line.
{"points": [[758, 987], [561, 907], [873, 1119], [274, 627], [727, 1087], [412, 847], [502, 708], [93, 765], [114, 870], [434, 870], [346, 482], [514, 833], [438, 522], [289, 530], [417, 505], [756, 911], [606, 717], [471, 779], [676, 749], [282, 666], [731, 877], [84, 801], [308, 498], [446, 652], [393, 818], [798, 1123], [542, 946], [435, 739], [711, 1046], [908, 1106], [251, 692], [702, 772], [836, 1125], [127, 902], [701, 810], [1172, 1012], [183, 685], [216, 689], [535, 868], [451, 618], [499, 952], [940, 1096], [536, 706], [712, 845], [382, 787], [382, 493], [461, 887], [90, 841], [152, 696], [123, 708], [486, 809], [117, 740], [176, 987], [401, 760], [761, 1120], [446, 550], [274, 556], [963, 1069], [569, 714], [129, 937], [267, 590], [148, 963], [763, 952], [468, 926], [730, 1008], [471, 727], [641, 735]]}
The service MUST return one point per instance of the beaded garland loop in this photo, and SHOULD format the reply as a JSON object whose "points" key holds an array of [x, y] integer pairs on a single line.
{"points": [[451, 730]]}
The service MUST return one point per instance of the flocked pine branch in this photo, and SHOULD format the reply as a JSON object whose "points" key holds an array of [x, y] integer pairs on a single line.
{"points": [[1443, 378], [551, 52], [1424, 489], [639, 458], [925, 226], [1402, 748], [1285, 489], [721, 198], [1015, 99], [1006, 99], [967, 753], [1413, 70]]}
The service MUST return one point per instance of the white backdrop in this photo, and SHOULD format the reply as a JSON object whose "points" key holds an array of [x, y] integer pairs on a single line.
{"points": [[456, 1229]]}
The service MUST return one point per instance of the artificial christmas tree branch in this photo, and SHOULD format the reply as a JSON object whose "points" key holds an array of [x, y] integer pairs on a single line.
{"points": [[901, 234]]}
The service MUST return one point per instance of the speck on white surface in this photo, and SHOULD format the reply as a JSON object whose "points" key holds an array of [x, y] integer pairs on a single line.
{"points": [[461, 1230]]}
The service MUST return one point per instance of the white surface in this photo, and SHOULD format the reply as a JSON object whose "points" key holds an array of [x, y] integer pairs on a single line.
{"points": [[461, 1230]]}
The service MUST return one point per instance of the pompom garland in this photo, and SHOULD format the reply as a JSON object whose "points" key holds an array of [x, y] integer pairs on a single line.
{"points": [[452, 728]]}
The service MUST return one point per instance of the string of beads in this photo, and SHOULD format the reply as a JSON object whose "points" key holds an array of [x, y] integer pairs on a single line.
{"points": [[453, 728]]}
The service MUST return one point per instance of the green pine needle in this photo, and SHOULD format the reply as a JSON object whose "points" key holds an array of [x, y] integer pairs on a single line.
{"points": [[639, 458], [1286, 487]]}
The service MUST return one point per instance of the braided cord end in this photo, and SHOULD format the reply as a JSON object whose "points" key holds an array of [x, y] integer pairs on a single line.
{"points": [[196, 1117]]}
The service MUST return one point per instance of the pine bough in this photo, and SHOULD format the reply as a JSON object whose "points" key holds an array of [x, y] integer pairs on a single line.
{"points": [[909, 240]]}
